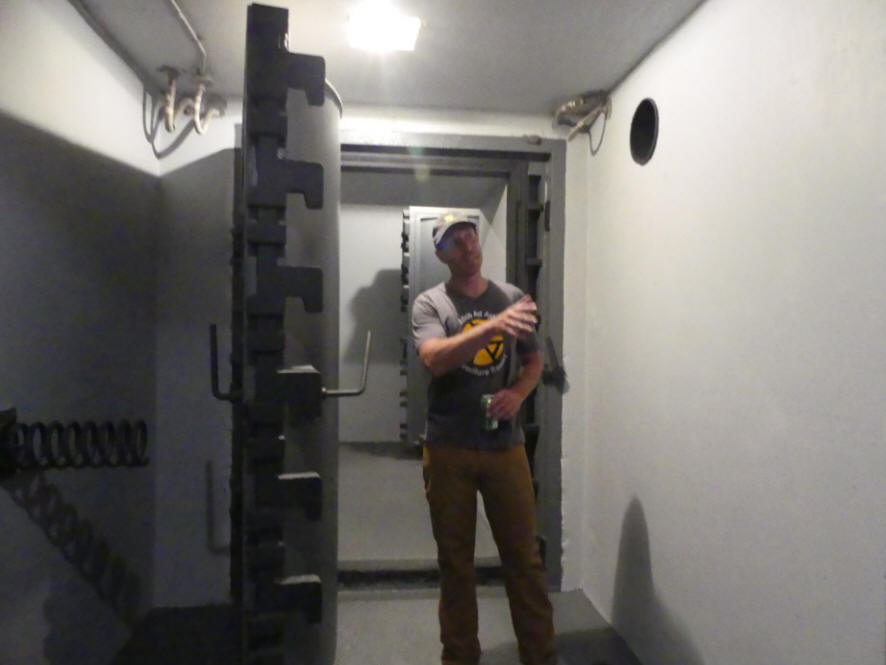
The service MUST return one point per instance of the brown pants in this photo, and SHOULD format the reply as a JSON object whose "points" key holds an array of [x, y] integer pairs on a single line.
{"points": [[453, 476]]}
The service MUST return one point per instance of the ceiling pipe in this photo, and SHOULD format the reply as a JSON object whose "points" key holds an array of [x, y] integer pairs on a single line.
{"points": [[199, 106], [187, 25], [105, 35]]}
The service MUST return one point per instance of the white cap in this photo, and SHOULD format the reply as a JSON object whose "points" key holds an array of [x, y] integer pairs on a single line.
{"points": [[446, 221]]}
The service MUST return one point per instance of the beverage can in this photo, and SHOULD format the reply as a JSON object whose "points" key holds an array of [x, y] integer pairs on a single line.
{"points": [[489, 423]]}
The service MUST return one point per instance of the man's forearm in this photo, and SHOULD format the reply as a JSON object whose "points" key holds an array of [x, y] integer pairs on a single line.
{"points": [[530, 374], [443, 355]]}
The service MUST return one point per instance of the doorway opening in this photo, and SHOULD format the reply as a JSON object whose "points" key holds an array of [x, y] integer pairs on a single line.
{"points": [[516, 185]]}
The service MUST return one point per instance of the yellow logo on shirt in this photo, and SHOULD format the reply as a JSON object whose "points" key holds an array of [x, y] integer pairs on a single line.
{"points": [[492, 352]]}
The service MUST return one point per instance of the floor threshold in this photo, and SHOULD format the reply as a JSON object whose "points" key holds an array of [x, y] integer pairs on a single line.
{"points": [[407, 578]]}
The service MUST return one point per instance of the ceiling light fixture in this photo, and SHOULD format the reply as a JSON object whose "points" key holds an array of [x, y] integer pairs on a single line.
{"points": [[377, 26]]}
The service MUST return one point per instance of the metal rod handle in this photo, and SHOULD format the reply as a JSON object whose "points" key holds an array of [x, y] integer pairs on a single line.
{"points": [[353, 392]]}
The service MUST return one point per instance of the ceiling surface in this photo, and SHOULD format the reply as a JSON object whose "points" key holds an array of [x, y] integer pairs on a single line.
{"points": [[521, 56]]}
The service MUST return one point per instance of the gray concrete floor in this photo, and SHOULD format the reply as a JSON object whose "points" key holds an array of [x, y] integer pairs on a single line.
{"points": [[400, 628]]}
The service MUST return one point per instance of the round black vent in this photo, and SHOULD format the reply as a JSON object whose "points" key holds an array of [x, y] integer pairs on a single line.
{"points": [[644, 131]]}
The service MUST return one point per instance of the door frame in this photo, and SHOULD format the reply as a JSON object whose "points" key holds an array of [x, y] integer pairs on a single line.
{"points": [[466, 155]]}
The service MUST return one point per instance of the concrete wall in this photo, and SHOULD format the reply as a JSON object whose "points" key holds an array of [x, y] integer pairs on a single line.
{"points": [[370, 300], [574, 448], [736, 372], [76, 344], [59, 77], [78, 209], [102, 268]]}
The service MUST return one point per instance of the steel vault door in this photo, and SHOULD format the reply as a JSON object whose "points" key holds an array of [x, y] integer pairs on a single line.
{"points": [[531, 242], [285, 347], [535, 172]]}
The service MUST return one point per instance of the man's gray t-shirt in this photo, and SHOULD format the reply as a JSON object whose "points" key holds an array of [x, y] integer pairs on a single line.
{"points": [[455, 416]]}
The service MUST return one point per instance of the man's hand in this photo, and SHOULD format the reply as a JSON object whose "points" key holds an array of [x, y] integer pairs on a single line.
{"points": [[518, 320], [505, 404]]}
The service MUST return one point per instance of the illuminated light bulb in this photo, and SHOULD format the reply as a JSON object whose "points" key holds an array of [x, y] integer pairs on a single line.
{"points": [[379, 27]]}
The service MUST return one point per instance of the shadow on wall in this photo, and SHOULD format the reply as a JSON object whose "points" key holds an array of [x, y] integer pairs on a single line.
{"points": [[93, 561], [638, 615], [377, 308], [78, 269]]}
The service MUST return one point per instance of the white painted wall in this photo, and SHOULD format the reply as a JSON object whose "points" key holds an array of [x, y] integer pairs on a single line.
{"points": [[60, 79], [222, 134], [370, 299], [574, 449], [77, 284], [494, 239], [59, 76], [735, 431]]}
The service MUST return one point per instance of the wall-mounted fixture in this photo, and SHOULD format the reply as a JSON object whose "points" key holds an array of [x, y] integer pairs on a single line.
{"points": [[644, 131], [582, 112], [160, 107], [199, 105]]}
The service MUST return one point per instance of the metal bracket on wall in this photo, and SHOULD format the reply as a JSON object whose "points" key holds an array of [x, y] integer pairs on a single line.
{"points": [[554, 375]]}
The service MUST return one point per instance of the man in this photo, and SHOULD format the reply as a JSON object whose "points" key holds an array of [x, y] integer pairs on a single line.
{"points": [[477, 338]]}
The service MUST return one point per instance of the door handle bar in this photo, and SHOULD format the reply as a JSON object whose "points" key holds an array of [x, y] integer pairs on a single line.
{"points": [[353, 392]]}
